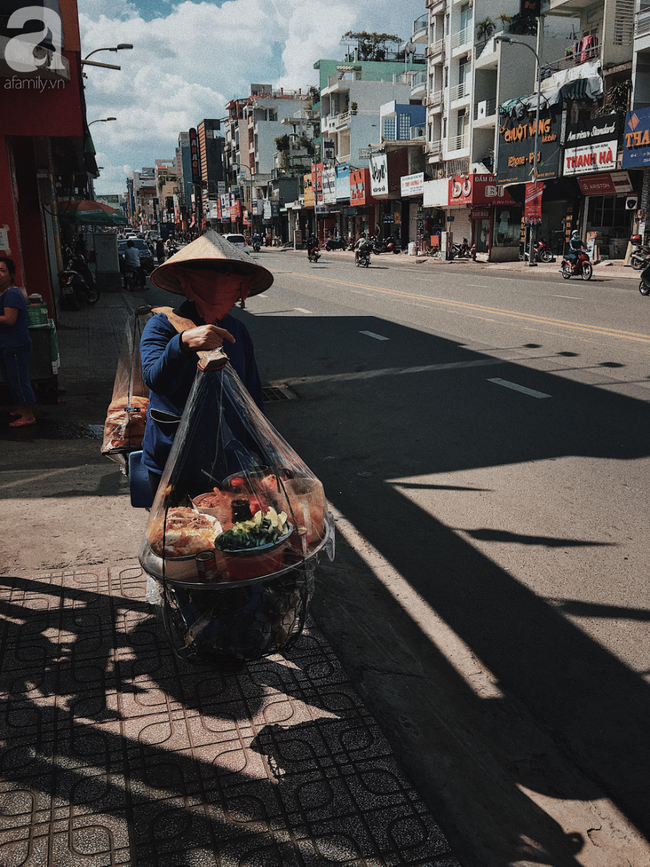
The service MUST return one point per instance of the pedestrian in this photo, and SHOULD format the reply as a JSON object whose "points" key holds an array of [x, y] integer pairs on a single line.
{"points": [[160, 251], [15, 344], [213, 275], [132, 260]]}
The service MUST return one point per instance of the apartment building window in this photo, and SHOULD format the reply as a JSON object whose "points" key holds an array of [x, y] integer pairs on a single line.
{"points": [[404, 126], [388, 128], [430, 132], [444, 127], [446, 78], [446, 24], [465, 18], [464, 73]]}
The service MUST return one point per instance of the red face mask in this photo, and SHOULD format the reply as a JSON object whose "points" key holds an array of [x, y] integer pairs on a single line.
{"points": [[213, 294]]}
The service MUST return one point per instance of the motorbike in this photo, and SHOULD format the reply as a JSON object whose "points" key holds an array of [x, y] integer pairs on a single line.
{"points": [[362, 258], [313, 255], [644, 285], [337, 243], [640, 256], [581, 267], [76, 284], [256, 246], [461, 251], [543, 253]]}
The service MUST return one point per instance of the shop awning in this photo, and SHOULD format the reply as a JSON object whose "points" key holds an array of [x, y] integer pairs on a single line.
{"points": [[581, 88], [89, 213]]}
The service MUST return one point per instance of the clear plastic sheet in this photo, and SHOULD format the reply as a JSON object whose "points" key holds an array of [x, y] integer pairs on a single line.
{"points": [[126, 416], [236, 528]]}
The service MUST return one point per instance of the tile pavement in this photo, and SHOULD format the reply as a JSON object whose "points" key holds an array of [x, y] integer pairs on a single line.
{"points": [[113, 751]]}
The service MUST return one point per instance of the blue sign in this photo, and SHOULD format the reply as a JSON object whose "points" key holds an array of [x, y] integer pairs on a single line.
{"points": [[342, 182], [636, 139]]}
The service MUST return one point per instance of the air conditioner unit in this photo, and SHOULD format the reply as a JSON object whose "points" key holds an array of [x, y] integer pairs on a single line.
{"points": [[481, 109]]}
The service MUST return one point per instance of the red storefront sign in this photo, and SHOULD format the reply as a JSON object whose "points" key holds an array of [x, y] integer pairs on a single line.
{"points": [[33, 106], [477, 190], [480, 214], [533, 203], [360, 187], [605, 185]]}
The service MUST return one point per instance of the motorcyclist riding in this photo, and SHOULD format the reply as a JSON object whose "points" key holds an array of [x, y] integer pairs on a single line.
{"points": [[312, 244], [363, 246], [576, 244]]}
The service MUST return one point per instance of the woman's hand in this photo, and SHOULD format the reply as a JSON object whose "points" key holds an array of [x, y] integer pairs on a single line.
{"points": [[204, 337]]}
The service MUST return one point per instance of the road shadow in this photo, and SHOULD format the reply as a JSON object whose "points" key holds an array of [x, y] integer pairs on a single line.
{"points": [[366, 417]]}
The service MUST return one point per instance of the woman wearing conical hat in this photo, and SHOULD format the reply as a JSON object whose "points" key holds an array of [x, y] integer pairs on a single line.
{"points": [[213, 275]]}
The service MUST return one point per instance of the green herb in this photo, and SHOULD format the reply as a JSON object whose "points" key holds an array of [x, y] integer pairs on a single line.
{"points": [[260, 530]]}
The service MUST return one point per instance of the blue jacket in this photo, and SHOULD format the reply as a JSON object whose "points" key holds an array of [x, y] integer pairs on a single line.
{"points": [[169, 373], [17, 334]]}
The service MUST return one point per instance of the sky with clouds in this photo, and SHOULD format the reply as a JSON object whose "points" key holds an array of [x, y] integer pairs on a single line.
{"points": [[190, 58]]}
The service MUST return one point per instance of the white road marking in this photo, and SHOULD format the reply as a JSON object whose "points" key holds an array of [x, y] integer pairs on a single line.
{"points": [[393, 371], [572, 297], [478, 285], [515, 387], [376, 336], [301, 310]]}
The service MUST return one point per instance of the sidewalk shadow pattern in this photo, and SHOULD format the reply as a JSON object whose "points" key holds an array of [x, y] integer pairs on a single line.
{"points": [[116, 752]]}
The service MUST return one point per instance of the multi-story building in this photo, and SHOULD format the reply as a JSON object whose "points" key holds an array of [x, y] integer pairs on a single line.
{"points": [[351, 95], [211, 151], [184, 169], [146, 196]]}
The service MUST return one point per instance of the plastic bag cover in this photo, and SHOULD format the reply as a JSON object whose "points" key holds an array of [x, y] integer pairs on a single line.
{"points": [[233, 487], [127, 414]]}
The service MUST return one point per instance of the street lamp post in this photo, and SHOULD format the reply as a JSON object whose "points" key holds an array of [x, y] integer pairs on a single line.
{"points": [[121, 47], [510, 40], [101, 120]]}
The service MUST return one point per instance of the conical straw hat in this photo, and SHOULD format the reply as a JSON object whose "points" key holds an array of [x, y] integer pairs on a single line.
{"points": [[211, 252]]}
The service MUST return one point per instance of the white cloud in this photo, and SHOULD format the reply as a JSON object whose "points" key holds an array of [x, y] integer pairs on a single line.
{"points": [[190, 61]]}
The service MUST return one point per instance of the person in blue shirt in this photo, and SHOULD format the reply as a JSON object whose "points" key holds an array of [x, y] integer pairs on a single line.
{"points": [[213, 275], [15, 344]]}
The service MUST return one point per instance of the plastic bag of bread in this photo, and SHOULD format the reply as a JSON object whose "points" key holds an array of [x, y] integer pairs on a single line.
{"points": [[127, 413]]}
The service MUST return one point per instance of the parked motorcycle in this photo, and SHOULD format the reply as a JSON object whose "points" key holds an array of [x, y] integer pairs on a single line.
{"points": [[543, 252], [462, 251], [337, 243], [362, 258], [580, 267], [76, 283], [640, 256]]}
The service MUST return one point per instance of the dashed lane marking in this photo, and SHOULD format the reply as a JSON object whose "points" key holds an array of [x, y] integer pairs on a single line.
{"points": [[516, 387], [376, 336], [301, 310]]}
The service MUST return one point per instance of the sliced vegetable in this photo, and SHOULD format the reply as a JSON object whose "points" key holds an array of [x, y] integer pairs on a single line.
{"points": [[259, 530]]}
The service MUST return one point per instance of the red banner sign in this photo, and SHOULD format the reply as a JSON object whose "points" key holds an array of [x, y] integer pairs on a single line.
{"points": [[533, 203], [477, 190]]}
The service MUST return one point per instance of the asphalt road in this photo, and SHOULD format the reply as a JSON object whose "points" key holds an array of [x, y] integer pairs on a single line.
{"points": [[483, 438]]}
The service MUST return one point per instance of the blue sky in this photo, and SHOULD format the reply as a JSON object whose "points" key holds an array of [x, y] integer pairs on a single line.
{"points": [[190, 58]]}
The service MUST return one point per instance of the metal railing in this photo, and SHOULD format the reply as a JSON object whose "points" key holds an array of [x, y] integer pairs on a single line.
{"points": [[458, 142], [435, 98], [462, 37], [490, 108], [642, 22], [435, 147], [419, 78], [420, 23], [572, 58], [458, 91], [435, 48]]}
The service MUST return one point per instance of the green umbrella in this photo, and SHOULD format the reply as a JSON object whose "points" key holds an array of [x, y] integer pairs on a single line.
{"points": [[89, 213]]}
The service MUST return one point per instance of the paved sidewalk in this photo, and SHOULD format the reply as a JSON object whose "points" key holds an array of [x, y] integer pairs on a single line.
{"points": [[116, 752], [113, 750]]}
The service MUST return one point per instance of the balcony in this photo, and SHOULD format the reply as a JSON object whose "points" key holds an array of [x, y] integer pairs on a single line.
{"points": [[436, 99], [419, 84], [434, 148], [462, 38], [459, 142], [435, 51], [437, 5], [484, 109], [459, 91], [420, 26], [642, 23]]}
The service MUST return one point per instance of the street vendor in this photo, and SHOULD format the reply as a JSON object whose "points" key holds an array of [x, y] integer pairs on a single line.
{"points": [[213, 275]]}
